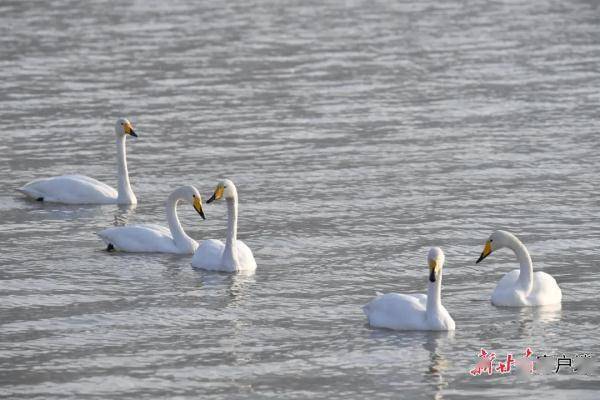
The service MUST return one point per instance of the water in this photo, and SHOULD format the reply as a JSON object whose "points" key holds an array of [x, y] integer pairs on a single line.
{"points": [[358, 135]]}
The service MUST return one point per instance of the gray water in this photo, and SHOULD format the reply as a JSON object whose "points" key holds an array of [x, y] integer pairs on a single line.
{"points": [[358, 134]]}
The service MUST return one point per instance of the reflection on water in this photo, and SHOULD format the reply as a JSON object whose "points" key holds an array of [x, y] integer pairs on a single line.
{"points": [[123, 214], [530, 321], [234, 287], [438, 364], [57, 212], [545, 314]]}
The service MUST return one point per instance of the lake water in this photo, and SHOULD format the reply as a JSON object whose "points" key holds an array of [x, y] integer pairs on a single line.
{"points": [[359, 134]]}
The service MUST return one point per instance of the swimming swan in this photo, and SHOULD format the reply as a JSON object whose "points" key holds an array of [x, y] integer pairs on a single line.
{"points": [[156, 238], [234, 255], [520, 287], [80, 189], [416, 312]]}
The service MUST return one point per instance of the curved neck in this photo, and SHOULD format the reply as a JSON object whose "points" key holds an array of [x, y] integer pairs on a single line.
{"points": [[125, 193], [526, 266], [230, 254], [181, 239], [434, 296]]}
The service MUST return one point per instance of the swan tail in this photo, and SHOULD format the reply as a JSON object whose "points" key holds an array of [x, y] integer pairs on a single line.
{"points": [[102, 235], [109, 245], [366, 309], [30, 193]]}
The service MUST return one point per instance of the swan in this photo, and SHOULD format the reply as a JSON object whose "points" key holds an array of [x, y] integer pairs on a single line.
{"points": [[234, 255], [520, 287], [414, 312], [156, 238], [80, 189]]}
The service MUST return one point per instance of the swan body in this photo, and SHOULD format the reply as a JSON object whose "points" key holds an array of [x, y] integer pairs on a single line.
{"points": [[210, 254], [70, 189], [233, 255], [415, 312], [520, 287], [80, 189], [156, 238]]}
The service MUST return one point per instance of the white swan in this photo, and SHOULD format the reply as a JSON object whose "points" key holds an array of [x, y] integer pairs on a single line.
{"points": [[234, 255], [80, 189], [520, 287], [416, 312], [156, 238]]}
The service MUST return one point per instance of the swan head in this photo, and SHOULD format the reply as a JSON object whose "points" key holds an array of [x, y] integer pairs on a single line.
{"points": [[435, 259], [191, 195], [225, 188], [497, 240], [123, 128]]}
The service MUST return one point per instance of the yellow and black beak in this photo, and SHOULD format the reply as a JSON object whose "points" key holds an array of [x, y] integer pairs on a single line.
{"points": [[432, 270], [487, 250], [129, 130], [198, 206], [217, 194]]}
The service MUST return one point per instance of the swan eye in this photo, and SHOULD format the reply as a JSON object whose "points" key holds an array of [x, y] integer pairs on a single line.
{"points": [[194, 196]]}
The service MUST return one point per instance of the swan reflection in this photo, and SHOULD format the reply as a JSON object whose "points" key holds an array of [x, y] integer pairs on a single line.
{"points": [[438, 364]]}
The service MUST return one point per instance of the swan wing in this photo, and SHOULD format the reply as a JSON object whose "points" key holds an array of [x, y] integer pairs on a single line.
{"points": [[442, 321], [159, 228], [421, 298], [506, 294], [70, 189], [396, 311], [245, 257], [140, 238], [209, 255], [545, 290]]}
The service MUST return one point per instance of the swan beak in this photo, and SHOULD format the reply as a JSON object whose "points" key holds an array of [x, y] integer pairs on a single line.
{"points": [[129, 130], [217, 194], [432, 268], [487, 250], [198, 207]]}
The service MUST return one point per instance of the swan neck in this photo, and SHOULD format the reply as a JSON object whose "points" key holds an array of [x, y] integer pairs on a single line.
{"points": [[434, 296], [526, 266], [181, 239], [230, 253], [125, 194]]}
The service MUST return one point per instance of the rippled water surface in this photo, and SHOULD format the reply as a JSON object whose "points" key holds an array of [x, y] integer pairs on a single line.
{"points": [[359, 134]]}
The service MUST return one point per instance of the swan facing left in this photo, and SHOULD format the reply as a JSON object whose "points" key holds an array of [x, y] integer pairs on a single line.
{"points": [[234, 255], [156, 238], [414, 312], [520, 287], [81, 189]]}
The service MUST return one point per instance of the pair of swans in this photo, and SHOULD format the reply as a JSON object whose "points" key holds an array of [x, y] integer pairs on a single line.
{"points": [[232, 256], [211, 254], [518, 288]]}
